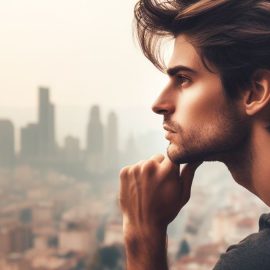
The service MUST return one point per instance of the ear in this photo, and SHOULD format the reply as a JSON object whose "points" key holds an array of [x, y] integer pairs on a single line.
{"points": [[258, 96]]}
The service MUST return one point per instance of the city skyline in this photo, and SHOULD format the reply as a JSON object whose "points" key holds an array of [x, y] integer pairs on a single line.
{"points": [[49, 127], [102, 150], [38, 146], [71, 120], [65, 45]]}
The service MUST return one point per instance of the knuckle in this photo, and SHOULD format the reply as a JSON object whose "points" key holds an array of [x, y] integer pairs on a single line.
{"points": [[149, 166], [136, 170], [124, 172], [157, 157]]}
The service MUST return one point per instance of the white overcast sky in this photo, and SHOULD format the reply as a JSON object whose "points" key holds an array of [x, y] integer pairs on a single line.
{"points": [[83, 50]]}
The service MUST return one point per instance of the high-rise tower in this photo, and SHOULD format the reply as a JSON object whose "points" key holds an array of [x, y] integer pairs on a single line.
{"points": [[30, 142], [7, 143], [46, 124], [95, 142]]}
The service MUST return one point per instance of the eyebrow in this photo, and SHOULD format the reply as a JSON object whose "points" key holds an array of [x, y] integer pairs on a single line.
{"points": [[174, 70]]}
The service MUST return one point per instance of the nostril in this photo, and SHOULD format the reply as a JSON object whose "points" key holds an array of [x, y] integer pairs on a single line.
{"points": [[163, 112], [163, 105], [158, 109], [162, 108]]}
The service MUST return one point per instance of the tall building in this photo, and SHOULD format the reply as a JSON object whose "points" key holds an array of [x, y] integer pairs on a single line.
{"points": [[112, 152], [95, 142], [7, 143], [72, 152], [46, 124], [29, 142]]}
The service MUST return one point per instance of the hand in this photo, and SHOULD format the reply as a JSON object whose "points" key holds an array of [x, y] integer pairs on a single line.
{"points": [[153, 192]]}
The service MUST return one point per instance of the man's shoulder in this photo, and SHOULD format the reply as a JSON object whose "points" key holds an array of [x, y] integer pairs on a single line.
{"points": [[251, 253]]}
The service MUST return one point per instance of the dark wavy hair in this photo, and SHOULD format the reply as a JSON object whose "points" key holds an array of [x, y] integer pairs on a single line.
{"points": [[231, 35]]}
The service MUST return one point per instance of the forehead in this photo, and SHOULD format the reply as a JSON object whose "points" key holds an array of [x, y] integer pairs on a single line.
{"points": [[184, 53]]}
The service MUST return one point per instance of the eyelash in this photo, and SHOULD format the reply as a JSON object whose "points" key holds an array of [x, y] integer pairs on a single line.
{"points": [[180, 79]]}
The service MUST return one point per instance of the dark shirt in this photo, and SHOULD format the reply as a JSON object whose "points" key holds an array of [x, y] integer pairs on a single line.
{"points": [[252, 253]]}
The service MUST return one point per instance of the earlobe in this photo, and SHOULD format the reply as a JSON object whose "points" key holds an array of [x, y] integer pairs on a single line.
{"points": [[258, 96]]}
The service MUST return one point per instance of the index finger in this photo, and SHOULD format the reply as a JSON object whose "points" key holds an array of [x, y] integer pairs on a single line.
{"points": [[158, 157], [168, 165]]}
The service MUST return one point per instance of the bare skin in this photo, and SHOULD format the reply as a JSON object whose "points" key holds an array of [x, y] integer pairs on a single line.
{"points": [[202, 124], [152, 194]]}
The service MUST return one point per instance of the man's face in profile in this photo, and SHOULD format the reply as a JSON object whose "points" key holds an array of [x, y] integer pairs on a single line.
{"points": [[202, 123]]}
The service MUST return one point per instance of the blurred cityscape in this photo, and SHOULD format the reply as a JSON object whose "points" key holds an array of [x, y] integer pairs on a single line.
{"points": [[59, 208]]}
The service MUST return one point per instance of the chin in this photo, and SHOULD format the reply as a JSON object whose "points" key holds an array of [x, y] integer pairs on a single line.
{"points": [[182, 156], [176, 155]]}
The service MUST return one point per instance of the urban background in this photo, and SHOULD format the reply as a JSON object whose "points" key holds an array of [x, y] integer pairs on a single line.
{"points": [[75, 105]]}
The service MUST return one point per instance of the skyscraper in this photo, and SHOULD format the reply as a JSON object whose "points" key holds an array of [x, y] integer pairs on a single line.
{"points": [[29, 142], [95, 142], [72, 152], [111, 153], [7, 143], [46, 124]]}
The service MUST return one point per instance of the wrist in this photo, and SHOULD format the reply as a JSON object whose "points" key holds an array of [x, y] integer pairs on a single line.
{"points": [[144, 233], [142, 230], [146, 245]]}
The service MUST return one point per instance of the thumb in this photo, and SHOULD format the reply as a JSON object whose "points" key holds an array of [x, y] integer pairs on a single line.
{"points": [[187, 176]]}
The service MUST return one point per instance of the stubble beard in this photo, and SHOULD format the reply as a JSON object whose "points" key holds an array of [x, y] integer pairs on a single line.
{"points": [[216, 141]]}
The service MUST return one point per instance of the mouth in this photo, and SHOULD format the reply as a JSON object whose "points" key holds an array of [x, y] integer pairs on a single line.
{"points": [[169, 132], [167, 128]]}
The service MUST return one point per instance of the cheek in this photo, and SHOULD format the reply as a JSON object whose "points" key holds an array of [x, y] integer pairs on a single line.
{"points": [[198, 105]]}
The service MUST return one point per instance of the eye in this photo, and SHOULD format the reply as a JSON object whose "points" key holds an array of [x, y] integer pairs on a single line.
{"points": [[182, 80]]}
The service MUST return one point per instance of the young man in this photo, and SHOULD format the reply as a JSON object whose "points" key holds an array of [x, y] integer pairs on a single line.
{"points": [[216, 106]]}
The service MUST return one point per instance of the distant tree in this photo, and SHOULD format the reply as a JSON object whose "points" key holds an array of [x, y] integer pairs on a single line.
{"points": [[108, 258], [81, 265], [183, 250], [101, 233]]}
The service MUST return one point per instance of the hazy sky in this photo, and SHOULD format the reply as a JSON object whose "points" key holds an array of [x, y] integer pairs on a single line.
{"points": [[83, 50]]}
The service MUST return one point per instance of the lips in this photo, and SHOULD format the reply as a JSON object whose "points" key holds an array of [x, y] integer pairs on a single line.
{"points": [[167, 128]]}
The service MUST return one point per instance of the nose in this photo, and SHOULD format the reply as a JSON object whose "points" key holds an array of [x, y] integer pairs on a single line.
{"points": [[165, 103]]}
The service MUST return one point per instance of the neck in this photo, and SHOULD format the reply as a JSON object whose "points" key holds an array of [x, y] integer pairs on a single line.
{"points": [[250, 166]]}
